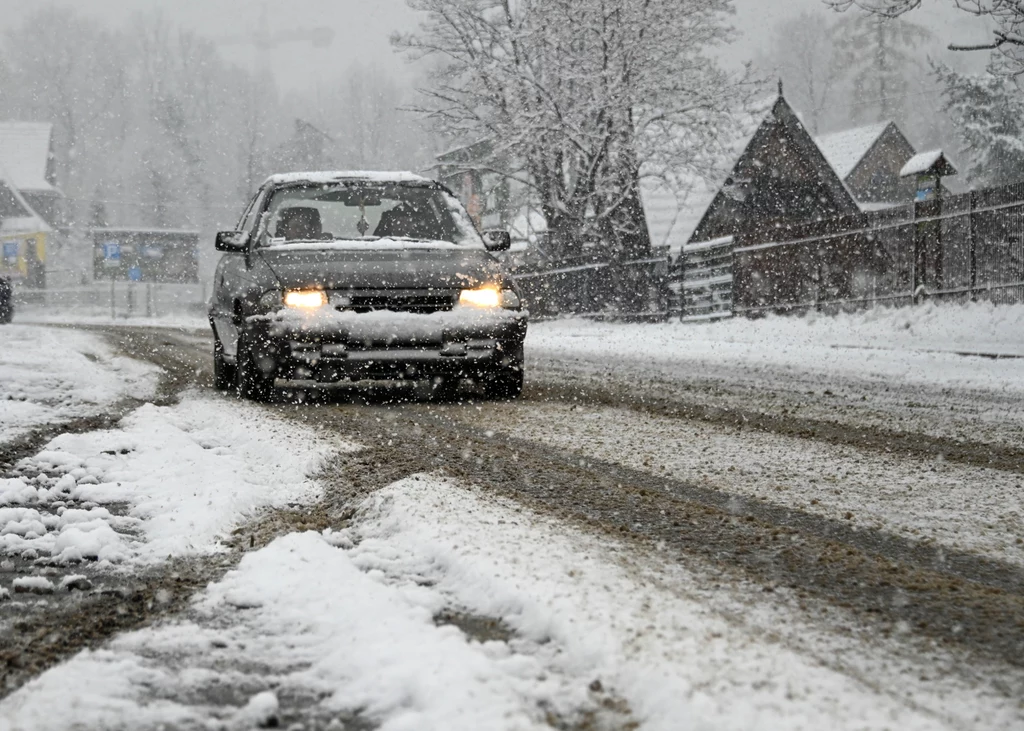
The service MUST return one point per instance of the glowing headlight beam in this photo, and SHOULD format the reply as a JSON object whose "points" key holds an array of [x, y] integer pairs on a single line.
{"points": [[483, 297], [305, 299]]}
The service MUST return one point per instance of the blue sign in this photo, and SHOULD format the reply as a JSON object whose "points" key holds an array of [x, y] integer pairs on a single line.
{"points": [[111, 254], [135, 274], [10, 251]]}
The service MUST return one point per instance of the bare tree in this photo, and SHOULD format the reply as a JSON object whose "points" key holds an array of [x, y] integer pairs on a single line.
{"points": [[803, 55], [1006, 17], [576, 97]]}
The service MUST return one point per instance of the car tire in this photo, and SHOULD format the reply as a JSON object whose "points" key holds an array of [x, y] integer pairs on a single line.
{"points": [[253, 382], [223, 372], [505, 384]]}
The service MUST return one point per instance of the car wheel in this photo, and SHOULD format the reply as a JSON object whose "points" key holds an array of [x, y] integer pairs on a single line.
{"points": [[254, 380], [223, 372], [505, 384]]}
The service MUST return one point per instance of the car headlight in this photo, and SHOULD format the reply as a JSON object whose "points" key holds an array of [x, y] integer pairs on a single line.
{"points": [[306, 299], [489, 297]]}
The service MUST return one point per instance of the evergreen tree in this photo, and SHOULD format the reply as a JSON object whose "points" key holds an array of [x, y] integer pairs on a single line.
{"points": [[879, 55], [987, 111]]}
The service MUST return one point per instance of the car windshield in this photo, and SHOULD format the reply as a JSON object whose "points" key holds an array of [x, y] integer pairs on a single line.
{"points": [[362, 212]]}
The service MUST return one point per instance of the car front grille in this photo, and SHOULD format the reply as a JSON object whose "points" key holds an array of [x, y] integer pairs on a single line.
{"points": [[419, 301]]}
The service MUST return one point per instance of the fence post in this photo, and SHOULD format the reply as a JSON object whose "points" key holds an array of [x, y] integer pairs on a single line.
{"points": [[972, 244], [916, 267]]}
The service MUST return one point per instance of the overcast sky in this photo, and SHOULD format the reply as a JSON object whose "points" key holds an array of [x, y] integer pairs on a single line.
{"points": [[362, 27]]}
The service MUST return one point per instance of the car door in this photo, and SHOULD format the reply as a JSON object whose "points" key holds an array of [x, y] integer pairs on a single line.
{"points": [[231, 280]]}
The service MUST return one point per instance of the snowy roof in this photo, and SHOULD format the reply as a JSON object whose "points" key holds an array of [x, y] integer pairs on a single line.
{"points": [[340, 176], [25, 220], [675, 201], [25, 154], [933, 161], [844, 150], [23, 225]]}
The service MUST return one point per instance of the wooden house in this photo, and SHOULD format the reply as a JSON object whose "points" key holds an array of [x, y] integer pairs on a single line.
{"points": [[868, 160], [780, 177]]}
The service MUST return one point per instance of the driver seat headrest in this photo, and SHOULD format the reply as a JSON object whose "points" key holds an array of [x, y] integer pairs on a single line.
{"points": [[299, 222]]}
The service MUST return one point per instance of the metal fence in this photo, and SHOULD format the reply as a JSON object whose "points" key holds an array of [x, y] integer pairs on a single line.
{"points": [[116, 300], [960, 248]]}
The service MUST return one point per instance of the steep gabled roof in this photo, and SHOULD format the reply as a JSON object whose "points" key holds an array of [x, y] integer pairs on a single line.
{"points": [[844, 150], [675, 201], [25, 154], [782, 120], [678, 204]]}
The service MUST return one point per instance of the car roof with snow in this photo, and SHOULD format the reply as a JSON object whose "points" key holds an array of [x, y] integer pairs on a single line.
{"points": [[349, 176]]}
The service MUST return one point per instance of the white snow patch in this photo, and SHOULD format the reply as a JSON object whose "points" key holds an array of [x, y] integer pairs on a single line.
{"points": [[323, 177], [33, 584], [189, 474], [917, 345], [84, 315], [920, 162], [49, 375]]}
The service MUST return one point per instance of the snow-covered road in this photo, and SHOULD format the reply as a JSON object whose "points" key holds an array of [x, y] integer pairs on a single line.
{"points": [[349, 626], [779, 524]]}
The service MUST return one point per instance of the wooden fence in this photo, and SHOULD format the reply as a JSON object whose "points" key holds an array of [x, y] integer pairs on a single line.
{"points": [[959, 248]]}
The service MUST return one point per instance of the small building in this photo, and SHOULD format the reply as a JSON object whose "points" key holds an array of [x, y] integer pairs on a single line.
{"points": [[23, 238], [925, 172], [27, 163], [868, 160]]}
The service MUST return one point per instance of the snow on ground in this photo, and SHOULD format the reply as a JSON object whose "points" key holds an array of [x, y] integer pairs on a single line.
{"points": [[914, 344], [343, 625], [932, 501], [169, 481], [49, 375], [101, 316]]}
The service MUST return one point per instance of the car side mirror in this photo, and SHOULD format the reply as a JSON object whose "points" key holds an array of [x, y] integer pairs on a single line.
{"points": [[231, 241], [497, 240]]}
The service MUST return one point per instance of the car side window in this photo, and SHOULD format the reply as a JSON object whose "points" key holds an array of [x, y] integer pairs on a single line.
{"points": [[252, 213]]}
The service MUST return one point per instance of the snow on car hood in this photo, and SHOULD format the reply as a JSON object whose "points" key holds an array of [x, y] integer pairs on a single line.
{"points": [[384, 264]]}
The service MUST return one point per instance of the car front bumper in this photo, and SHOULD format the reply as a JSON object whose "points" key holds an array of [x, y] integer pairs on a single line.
{"points": [[330, 347]]}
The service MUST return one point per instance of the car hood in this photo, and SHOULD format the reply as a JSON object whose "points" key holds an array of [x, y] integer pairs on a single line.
{"points": [[361, 266]]}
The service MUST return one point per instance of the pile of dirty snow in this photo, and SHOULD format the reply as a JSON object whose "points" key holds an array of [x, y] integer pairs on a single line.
{"points": [[49, 375]]}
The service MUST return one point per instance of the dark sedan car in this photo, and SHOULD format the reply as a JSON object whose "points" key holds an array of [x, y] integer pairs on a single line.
{"points": [[6, 299], [341, 277]]}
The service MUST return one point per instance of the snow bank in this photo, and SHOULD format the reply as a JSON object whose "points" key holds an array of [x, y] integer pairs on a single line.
{"points": [[345, 623], [188, 475], [49, 375], [925, 344]]}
